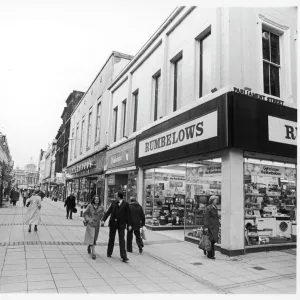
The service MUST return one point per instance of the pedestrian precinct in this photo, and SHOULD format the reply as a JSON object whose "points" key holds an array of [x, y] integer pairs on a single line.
{"points": [[33, 215], [70, 204], [14, 196], [137, 221], [25, 196], [119, 217], [92, 217], [212, 224]]}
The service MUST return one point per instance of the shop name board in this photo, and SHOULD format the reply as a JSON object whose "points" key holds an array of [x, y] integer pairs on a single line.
{"points": [[204, 171], [197, 130], [123, 157], [257, 96], [282, 131], [83, 166]]}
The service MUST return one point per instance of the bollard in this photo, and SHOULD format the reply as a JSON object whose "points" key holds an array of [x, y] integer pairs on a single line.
{"points": [[81, 210]]}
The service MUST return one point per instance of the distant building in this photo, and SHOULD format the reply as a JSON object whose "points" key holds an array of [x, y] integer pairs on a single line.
{"points": [[26, 177]]}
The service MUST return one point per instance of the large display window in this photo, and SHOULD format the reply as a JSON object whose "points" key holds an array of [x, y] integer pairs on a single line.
{"points": [[176, 195], [270, 202]]}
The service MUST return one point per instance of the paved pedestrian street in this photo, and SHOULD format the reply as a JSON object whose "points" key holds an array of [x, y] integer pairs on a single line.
{"points": [[54, 260]]}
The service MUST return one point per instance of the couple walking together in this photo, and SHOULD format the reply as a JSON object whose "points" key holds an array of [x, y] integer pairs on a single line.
{"points": [[122, 215]]}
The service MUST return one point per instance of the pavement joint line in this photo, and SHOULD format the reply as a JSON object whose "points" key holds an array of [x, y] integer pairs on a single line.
{"points": [[260, 281], [198, 279]]}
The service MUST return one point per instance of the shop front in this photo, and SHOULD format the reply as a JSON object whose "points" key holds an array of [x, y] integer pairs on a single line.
{"points": [[217, 148], [121, 172], [86, 178]]}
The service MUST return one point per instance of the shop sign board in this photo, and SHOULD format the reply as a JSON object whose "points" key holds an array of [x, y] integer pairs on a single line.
{"points": [[205, 171], [121, 156], [270, 171], [282, 131], [197, 130]]}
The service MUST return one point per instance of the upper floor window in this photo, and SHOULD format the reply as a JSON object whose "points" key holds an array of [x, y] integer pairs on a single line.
{"points": [[135, 109], [98, 122], [71, 145], [115, 122], [271, 62], [177, 80], [76, 140], [205, 62], [156, 87], [82, 135], [124, 110], [88, 144]]}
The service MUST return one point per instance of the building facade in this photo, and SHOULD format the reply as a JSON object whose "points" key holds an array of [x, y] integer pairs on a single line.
{"points": [[210, 103], [27, 177], [89, 133]]}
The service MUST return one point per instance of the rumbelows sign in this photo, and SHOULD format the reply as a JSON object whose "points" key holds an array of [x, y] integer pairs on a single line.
{"points": [[282, 131], [200, 129]]}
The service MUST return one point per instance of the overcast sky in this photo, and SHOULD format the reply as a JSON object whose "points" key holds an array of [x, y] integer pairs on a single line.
{"points": [[50, 48]]}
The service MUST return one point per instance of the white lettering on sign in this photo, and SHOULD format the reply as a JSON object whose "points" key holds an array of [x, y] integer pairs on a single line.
{"points": [[282, 131], [197, 130]]}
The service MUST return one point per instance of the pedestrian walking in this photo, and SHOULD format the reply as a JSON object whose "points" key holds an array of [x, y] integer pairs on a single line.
{"points": [[119, 217], [25, 196], [92, 217], [70, 204], [137, 221], [14, 196], [212, 224], [33, 215]]}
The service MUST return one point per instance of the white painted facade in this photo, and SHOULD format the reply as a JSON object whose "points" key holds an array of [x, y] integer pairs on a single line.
{"points": [[236, 61], [97, 94]]}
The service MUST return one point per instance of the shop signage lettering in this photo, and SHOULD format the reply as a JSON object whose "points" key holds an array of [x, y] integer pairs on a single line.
{"points": [[123, 157], [83, 166], [197, 130], [204, 171], [282, 131], [257, 96]]}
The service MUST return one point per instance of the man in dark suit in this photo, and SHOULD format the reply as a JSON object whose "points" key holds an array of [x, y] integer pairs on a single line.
{"points": [[138, 221], [119, 217], [70, 204]]}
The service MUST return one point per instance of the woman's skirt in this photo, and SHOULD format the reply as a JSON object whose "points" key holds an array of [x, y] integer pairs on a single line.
{"points": [[91, 235]]}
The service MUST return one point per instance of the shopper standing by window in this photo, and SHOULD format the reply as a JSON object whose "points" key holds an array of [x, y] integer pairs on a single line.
{"points": [[212, 224], [70, 204]]}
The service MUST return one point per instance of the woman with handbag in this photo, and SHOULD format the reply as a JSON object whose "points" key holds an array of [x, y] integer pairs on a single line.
{"points": [[212, 224], [92, 217], [70, 204], [33, 215]]}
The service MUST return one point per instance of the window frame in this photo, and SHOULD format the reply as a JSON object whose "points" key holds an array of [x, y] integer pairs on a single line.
{"points": [[135, 95], [76, 140], [98, 122], [115, 124], [175, 60], [72, 145], [89, 130], [156, 88], [124, 112], [82, 136]]}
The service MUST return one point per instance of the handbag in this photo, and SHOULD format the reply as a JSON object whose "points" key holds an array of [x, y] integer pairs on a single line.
{"points": [[143, 233], [74, 210], [204, 242]]}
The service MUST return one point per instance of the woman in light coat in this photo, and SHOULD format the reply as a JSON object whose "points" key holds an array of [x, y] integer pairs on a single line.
{"points": [[92, 217], [33, 215]]}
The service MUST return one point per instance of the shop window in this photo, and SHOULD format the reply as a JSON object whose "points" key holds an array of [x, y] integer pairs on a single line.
{"points": [[270, 202], [177, 80], [177, 195], [271, 62]]}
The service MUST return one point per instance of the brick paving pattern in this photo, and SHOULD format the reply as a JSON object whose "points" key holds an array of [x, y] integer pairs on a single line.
{"points": [[54, 260]]}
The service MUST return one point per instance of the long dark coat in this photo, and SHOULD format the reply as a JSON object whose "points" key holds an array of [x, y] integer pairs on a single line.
{"points": [[14, 195], [119, 215], [211, 221], [137, 216], [70, 202]]}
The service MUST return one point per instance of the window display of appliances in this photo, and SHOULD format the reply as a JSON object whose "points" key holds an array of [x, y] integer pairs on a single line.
{"points": [[283, 228]]}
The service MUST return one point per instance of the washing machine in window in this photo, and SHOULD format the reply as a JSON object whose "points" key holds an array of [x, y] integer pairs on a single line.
{"points": [[284, 228]]}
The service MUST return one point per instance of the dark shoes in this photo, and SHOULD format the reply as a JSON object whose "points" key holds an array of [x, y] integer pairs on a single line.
{"points": [[108, 255], [205, 252], [211, 257], [130, 251], [71, 218], [125, 259], [29, 229], [89, 249], [140, 250], [35, 228], [94, 256]]}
